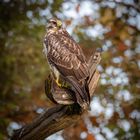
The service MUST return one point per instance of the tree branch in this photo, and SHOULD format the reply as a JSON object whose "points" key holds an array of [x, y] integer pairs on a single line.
{"points": [[60, 116]]}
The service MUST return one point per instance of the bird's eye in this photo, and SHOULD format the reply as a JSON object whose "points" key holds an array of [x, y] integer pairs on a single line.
{"points": [[54, 22]]}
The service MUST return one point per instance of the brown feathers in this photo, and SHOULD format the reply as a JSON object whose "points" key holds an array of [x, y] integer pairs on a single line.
{"points": [[67, 57]]}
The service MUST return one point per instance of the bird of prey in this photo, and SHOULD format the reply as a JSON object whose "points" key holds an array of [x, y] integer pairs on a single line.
{"points": [[67, 60]]}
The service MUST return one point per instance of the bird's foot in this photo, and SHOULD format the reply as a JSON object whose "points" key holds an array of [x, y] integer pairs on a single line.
{"points": [[62, 84], [59, 84]]}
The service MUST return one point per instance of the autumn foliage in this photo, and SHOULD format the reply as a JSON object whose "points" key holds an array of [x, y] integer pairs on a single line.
{"points": [[110, 25]]}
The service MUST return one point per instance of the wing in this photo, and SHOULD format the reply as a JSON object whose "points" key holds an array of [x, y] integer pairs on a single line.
{"points": [[71, 44], [67, 56]]}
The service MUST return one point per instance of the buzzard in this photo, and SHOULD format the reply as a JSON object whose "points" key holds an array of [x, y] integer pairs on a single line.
{"points": [[67, 60]]}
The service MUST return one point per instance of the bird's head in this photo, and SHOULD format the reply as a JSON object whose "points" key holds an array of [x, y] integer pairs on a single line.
{"points": [[54, 24]]}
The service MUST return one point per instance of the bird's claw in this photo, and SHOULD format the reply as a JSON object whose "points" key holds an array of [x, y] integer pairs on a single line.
{"points": [[59, 84], [62, 85]]}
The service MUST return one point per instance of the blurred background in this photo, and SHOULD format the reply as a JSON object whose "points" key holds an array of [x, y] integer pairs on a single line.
{"points": [[113, 25]]}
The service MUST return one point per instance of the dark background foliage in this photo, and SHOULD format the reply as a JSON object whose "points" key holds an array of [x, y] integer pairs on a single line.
{"points": [[112, 25]]}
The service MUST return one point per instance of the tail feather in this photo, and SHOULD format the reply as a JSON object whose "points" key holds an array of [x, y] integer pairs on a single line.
{"points": [[82, 92]]}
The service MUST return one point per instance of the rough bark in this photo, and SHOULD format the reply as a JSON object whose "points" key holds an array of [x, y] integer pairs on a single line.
{"points": [[60, 116]]}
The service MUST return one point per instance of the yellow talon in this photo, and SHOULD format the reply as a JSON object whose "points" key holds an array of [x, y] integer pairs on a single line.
{"points": [[57, 81], [62, 84]]}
